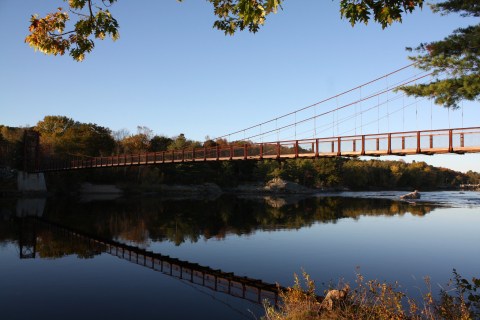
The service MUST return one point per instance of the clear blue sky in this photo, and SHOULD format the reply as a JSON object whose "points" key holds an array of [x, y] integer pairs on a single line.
{"points": [[170, 71]]}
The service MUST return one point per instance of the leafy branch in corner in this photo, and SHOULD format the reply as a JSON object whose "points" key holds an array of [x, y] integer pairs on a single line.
{"points": [[454, 61], [48, 34]]}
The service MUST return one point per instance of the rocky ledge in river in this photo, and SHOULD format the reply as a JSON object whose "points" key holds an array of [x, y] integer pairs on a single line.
{"points": [[274, 186], [205, 188]]}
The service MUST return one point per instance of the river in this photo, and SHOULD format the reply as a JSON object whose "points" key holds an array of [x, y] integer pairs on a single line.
{"points": [[60, 258]]}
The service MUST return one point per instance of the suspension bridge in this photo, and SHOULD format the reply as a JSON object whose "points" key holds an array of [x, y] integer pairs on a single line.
{"points": [[373, 119]]}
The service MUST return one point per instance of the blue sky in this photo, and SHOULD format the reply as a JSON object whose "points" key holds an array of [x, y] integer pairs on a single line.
{"points": [[172, 72]]}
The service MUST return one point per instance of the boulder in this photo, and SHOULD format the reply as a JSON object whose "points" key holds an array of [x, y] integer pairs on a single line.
{"points": [[278, 185], [412, 195]]}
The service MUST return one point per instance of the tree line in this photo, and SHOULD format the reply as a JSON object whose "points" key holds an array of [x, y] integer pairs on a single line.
{"points": [[63, 137]]}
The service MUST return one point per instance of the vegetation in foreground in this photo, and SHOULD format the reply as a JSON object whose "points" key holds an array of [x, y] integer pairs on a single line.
{"points": [[377, 300]]}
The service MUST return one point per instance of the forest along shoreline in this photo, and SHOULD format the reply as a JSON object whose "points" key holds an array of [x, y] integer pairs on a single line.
{"points": [[58, 138], [293, 176]]}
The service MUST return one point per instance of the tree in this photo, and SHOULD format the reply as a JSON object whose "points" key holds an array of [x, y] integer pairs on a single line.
{"points": [[160, 143], [178, 143], [181, 142], [64, 136], [49, 34], [139, 142], [86, 139], [54, 125], [135, 143], [454, 61], [118, 136], [51, 130]]}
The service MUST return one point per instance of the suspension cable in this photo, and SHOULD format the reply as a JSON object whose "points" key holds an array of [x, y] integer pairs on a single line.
{"points": [[322, 101], [344, 106]]}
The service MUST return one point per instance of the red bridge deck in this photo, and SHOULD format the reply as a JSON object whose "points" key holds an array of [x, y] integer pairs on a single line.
{"points": [[460, 141]]}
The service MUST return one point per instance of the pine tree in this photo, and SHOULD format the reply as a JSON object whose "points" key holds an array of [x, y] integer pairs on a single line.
{"points": [[453, 61]]}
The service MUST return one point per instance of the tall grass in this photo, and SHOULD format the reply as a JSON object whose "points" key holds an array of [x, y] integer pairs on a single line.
{"points": [[372, 299]]}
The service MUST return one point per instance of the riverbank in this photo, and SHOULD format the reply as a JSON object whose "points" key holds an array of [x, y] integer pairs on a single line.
{"points": [[294, 176], [323, 174], [373, 299]]}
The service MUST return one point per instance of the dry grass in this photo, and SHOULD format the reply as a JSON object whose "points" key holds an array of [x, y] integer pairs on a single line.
{"points": [[372, 299]]}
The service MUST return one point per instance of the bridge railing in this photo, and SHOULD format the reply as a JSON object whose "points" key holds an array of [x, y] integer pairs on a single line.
{"points": [[460, 140], [466, 139]]}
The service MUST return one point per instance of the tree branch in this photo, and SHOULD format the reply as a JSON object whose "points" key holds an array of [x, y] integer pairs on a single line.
{"points": [[90, 8], [78, 13], [60, 34]]}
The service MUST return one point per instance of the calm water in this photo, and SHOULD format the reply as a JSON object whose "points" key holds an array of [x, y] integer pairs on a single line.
{"points": [[47, 272]]}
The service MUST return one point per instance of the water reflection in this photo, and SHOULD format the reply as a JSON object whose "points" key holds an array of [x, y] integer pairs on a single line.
{"points": [[265, 238], [45, 239], [142, 220]]}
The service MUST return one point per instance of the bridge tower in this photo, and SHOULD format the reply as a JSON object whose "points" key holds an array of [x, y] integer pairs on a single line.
{"points": [[31, 150]]}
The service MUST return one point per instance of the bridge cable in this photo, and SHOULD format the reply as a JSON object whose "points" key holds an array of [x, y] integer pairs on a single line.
{"points": [[374, 107], [355, 113], [261, 136], [416, 114], [431, 115], [378, 114], [388, 111], [448, 118], [276, 128], [337, 113], [373, 121], [344, 106], [324, 100], [333, 125], [295, 125], [361, 113]]}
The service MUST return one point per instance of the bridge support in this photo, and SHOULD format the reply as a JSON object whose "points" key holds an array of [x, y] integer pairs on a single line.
{"points": [[363, 145], [419, 150], [30, 207], [389, 144], [27, 241], [450, 140], [31, 182]]}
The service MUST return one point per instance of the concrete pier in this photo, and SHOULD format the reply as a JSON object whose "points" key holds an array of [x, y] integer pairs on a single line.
{"points": [[28, 182]]}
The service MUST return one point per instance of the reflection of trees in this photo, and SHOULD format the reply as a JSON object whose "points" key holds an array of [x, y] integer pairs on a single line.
{"points": [[139, 220], [8, 231], [8, 228], [126, 227], [49, 245]]}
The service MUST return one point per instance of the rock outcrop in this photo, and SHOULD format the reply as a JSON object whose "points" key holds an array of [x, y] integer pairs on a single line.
{"points": [[411, 196]]}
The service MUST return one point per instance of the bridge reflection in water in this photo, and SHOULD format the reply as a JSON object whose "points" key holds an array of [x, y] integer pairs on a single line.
{"points": [[253, 290]]}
